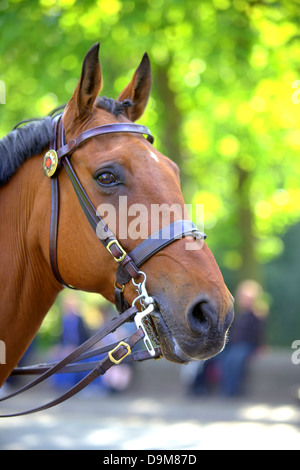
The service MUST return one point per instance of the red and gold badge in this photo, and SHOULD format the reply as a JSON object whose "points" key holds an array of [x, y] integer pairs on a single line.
{"points": [[50, 163]]}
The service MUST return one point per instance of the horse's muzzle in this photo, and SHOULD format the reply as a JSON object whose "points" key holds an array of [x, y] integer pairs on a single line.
{"points": [[202, 335], [208, 328]]}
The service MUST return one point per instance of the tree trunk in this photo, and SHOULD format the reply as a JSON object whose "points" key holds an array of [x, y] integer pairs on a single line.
{"points": [[170, 116]]}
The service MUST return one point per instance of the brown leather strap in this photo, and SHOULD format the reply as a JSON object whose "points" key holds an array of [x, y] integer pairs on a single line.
{"points": [[55, 211], [103, 366], [74, 355], [156, 242], [120, 301], [105, 235], [54, 232], [90, 211], [137, 356], [70, 147]]}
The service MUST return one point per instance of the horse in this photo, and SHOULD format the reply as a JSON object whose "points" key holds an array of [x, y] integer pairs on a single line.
{"points": [[194, 308]]}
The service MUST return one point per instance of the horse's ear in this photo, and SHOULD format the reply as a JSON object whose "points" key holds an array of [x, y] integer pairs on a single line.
{"points": [[138, 90], [89, 84]]}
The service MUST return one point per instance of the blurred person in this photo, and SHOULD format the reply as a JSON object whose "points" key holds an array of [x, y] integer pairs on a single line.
{"points": [[226, 371], [74, 332], [246, 337]]}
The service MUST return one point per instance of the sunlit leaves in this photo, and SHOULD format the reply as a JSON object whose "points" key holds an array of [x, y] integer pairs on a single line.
{"points": [[231, 69]]}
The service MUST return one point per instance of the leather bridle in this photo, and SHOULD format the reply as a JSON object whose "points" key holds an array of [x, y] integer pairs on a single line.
{"points": [[128, 264], [128, 268]]}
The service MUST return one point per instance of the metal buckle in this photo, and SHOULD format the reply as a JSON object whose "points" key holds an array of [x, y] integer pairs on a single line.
{"points": [[122, 256], [117, 361], [121, 287]]}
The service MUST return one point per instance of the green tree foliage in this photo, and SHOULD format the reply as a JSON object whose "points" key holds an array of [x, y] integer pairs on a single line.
{"points": [[225, 101]]}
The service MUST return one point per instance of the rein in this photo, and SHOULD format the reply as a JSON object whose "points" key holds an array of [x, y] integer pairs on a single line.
{"points": [[128, 269]]}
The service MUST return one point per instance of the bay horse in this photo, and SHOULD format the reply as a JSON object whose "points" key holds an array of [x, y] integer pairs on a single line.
{"points": [[195, 308]]}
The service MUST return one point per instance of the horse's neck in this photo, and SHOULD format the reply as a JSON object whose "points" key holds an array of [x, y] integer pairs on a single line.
{"points": [[27, 285]]}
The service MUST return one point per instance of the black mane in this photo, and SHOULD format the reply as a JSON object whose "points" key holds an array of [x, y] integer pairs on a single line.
{"points": [[25, 142], [21, 144]]}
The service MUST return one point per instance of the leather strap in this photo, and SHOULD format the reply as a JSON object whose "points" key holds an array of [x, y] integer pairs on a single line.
{"points": [[88, 208], [156, 242], [55, 212], [137, 356], [70, 147], [102, 231], [74, 355], [101, 367]]}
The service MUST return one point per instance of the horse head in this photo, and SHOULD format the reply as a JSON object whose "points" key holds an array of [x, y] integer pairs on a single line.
{"points": [[127, 178]]}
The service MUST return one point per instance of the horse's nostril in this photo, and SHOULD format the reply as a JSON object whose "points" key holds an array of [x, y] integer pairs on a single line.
{"points": [[201, 316]]}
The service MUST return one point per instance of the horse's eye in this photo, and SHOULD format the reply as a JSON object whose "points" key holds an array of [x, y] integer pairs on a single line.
{"points": [[107, 179]]}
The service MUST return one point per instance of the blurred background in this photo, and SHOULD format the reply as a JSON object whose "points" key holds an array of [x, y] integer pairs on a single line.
{"points": [[225, 106]]}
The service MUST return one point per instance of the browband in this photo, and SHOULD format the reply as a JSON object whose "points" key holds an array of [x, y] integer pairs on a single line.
{"points": [[71, 146]]}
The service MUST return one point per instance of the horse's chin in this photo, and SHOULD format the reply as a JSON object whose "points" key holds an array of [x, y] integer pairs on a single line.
{"points": [[169, 346]]}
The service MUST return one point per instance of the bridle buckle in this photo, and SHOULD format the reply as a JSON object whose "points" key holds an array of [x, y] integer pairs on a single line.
{"points": [[117, 361], [122, 251]]}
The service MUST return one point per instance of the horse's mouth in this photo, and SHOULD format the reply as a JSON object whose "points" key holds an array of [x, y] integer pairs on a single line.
{"points": [[162, 335], [181, 346]]}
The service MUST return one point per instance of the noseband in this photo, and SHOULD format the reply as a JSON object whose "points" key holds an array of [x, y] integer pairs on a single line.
{"points": [[128, 268]]}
